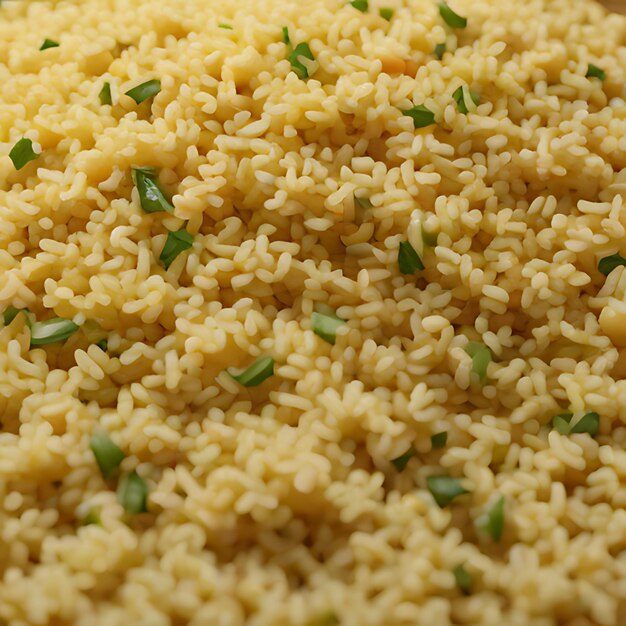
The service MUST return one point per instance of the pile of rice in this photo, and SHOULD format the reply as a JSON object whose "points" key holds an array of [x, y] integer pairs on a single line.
{"points": [[279, 505]]}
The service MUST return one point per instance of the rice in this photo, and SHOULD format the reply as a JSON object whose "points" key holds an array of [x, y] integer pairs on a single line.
{"points": [[305, 499]]}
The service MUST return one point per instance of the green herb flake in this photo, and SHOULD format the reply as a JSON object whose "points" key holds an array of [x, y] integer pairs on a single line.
{"points": [[452, 19], [49, 43], [286, 39], [177, 241], [609, 263], [105, 94], [258, 372], [429, 239], [408, 259], [440, 50], [460, 98], [325, 326], [53, 330], [108, 455], [93, 517], [386, 13], [593, 71], [22, 153], [103, 344], [146, 90], [481, 357], [360, 5], [444, 489], [226, 26], [589, 423], [11, 313], [402, 461], [439, 440], [463, 579], [302, 50], [560, 423], [151, 196], [132, 493], [420, 115], [493, 522], [363, 202]]}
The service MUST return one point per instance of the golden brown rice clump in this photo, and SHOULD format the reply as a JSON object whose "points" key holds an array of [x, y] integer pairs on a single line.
{"points": [[286, 503]]}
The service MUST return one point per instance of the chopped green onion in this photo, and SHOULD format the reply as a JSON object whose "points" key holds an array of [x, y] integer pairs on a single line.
{"points": [[11, 313], [609, 263], [363, 202], [444, 489], [151, 195], [593, 71], [463, 579], [408, 260], [132, 493], [440, 50], [421, 116], [108, 455], [386, 14], [402, 461], [452, 19], [103, 344], [439, 440], [429, 239], [589, 423], [22, 153], [560, 423], [325, 326], [105, 94], [256, 373], [286, 39], [177, 241], [93, 517], [49, 43], [51, 331], [226, 26], [146, 90], [481, 357], [493, 522], [360, 5], [301, 50], [459, 97]]}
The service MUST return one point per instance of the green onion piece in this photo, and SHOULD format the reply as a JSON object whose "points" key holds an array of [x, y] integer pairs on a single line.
{"points": [[386, 14], [363, 202], [108, 455], [440, 50], [481, 357], [226, 26], [103, 344], [459, 98], [444, 489], [421, 116], [151, 195], [609, 263], [429, 239], [301, 50], [286, 39], [402, 461], [452, 19], [408, 260], [439, 440], [360, 5], [177, 241], [325, 326], [258, 372], [146, 90], [493, 522], [22, 153], [132, 493], [105, 94], [463, 579], [588, 423], [11, 313], [49, 43], [593, 71], [560, 423], [93, 517], [52, 331]]}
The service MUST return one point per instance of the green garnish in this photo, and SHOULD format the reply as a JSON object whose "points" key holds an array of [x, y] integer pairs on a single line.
{"points": [[429, 239], [146, 90], [51, 331], [589, 423], [560, 422], [226, 26], [363, 202], [360, 5], [440, 50], [452, 19], [22, 153], [408, 260], [258, 372], [609, 263], [108, 455], [177, 241], [151, 195], [132, 493], [459, 97], [421, 116], [325, 326], [386, 14], [439, 440], [593, 71], [463, 579], [493, 521], [105, 94], [444, 489], [11, 313], [301, 50], [402, 461], [286, 39], [93, 517], [49, 43], [103, 344], [481, 357]]}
